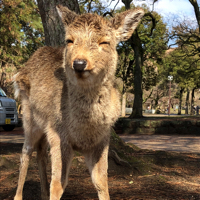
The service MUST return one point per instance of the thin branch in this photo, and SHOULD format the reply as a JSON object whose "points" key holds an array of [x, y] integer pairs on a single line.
{"points": [[108, 13], [144, 100], [115, 5], [149, 14], [89, 6], [110, 3]]}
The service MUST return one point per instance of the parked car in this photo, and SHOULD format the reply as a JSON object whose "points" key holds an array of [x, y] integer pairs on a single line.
{"points": [[8, 112], [128, 111]]}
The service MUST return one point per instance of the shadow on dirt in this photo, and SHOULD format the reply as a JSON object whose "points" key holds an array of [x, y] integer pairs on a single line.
{"points": [[156, 188], [28, 193], [6, 148], [159, 175]]}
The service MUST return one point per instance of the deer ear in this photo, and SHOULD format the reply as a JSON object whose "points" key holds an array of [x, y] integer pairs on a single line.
{"points": [[126, 22], [65, 14]]}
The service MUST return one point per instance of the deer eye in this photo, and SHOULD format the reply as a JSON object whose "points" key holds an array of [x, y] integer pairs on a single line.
{"points": [[104, 43], [69, 42]]}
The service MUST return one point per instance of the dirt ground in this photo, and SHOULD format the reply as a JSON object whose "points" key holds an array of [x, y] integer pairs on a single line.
{"points": [[154, 175]]}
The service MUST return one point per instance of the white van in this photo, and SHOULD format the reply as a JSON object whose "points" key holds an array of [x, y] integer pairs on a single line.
{"points": [[8, 112]]}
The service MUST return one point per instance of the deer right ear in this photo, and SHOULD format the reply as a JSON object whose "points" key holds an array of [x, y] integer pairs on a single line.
{"points": [[65, 14], [126, 22]]}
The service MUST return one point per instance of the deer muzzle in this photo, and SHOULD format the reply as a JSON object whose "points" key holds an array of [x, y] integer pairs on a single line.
{"points": [[79, 65]]}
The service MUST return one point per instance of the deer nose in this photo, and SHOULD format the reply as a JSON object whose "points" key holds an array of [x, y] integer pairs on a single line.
{"points": [[79, 65]]}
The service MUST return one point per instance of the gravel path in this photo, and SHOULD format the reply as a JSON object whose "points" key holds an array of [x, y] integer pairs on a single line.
{"points": [[189, 144]]}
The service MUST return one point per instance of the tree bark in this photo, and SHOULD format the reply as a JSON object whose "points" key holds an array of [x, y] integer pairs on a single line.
{"points": [[187, 102], [53, 27], [127, 3], [180, 101], [137, 104], [123, 113], [192, 110], [3, 76], [137, 47]]}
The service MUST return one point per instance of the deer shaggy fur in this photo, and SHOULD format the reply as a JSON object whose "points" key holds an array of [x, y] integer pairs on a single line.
{"points": [[69, 99]]}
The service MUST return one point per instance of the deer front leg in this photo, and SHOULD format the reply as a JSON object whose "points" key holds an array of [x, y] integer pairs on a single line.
{"points": [[97, 162], [61, 162], [56, 188], [61, 157]]}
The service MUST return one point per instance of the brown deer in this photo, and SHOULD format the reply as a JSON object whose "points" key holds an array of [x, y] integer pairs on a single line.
{"points": [[70, 101]]}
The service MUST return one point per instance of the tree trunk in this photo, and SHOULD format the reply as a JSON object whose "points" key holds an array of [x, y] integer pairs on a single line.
{"points": [[180, 101], [196, 10], [53, 27], [192, 109], [136, 46], [156, 103], [2, 78], [187, 102], [123, 104], [127, 3], [137, 104]]}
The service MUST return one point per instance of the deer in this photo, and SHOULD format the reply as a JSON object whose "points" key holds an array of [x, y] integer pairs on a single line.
{"points": [[70, 99]]}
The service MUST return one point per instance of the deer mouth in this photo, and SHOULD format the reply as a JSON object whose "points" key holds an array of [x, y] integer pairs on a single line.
{"points": [[82, 74], [80, 68]]}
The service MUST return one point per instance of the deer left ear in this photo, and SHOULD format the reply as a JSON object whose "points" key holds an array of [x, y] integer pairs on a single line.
{"points": [[126, 22], [65, 14]]}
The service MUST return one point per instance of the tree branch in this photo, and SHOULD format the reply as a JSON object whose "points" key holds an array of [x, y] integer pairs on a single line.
{"points": [[149, 14]]}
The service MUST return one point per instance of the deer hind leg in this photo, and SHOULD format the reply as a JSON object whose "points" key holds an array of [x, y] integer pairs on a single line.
{"points": [[42, 163], [25, 157], [97, 162], [61, 157], [31, 138]]}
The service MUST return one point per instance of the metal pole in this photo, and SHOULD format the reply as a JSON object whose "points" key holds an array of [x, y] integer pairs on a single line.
{"points": [[169, 97]]}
